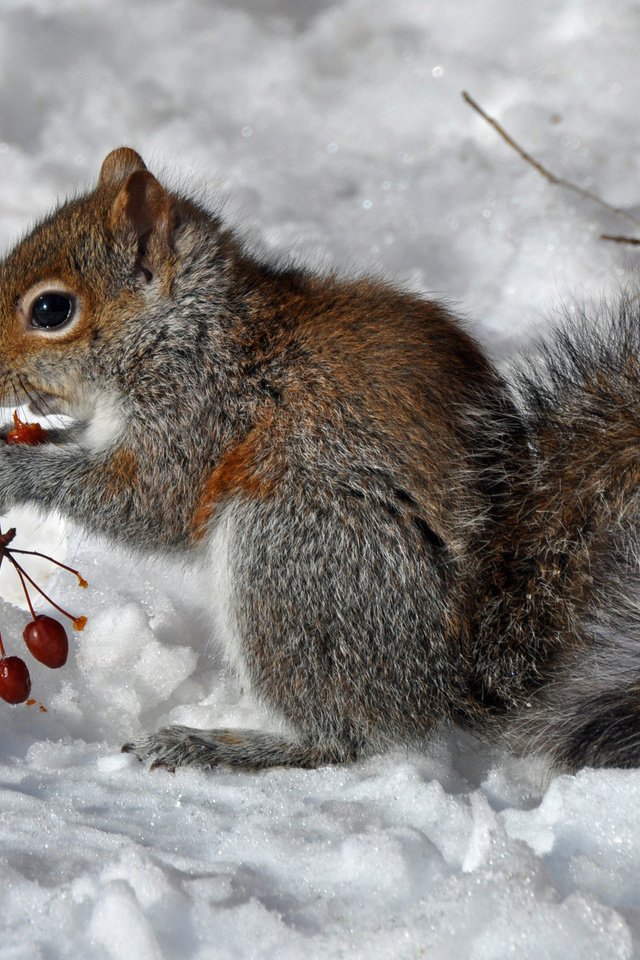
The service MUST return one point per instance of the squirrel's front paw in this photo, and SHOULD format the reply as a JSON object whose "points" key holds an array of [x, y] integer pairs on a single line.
{"points": [[10, 471]]}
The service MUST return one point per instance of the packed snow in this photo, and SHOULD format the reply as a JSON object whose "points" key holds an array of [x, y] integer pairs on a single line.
{"points": [[334, 132]]}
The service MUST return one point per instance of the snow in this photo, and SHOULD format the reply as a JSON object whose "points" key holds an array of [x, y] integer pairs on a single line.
{"points": [[334, 131]]}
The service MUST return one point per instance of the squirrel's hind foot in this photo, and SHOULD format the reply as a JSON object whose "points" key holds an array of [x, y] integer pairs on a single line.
{"points": [[173, 747]]}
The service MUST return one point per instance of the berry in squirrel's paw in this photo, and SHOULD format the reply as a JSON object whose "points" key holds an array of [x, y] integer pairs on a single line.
{"points": [[23, 432]]}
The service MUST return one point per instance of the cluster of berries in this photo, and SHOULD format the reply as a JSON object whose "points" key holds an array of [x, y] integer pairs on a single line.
{"points": [[45, 637]]}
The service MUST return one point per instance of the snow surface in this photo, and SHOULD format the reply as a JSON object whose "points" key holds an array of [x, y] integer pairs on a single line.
{"points": [[336, 131]]}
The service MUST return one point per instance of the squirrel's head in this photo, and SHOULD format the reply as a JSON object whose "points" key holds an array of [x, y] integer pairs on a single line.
{"points": [[72, 288]]}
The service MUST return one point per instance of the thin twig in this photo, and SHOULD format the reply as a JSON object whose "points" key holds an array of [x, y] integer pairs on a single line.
{"points": [[547, 174], [634, 241]]}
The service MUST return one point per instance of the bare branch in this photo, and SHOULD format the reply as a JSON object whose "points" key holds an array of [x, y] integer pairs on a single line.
{"points": [[634, 241], [547, 174]]}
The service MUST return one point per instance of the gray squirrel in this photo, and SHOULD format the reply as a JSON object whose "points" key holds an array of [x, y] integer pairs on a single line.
{"points": [[395, 537]]}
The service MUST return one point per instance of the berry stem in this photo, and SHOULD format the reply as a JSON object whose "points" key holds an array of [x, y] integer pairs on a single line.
{"points": [[2, 650], [26, 592], [45, 556], [5, 540], [21, 571], [7, 537]]}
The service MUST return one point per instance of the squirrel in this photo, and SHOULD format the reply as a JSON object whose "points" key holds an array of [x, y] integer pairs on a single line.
{"points": [[396, 536]]}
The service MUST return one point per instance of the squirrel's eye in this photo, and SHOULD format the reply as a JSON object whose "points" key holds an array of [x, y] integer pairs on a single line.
{"points": [[52, 310]]}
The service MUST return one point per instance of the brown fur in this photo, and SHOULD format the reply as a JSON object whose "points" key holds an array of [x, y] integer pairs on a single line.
{"points": [[241, 472], [122, 474]]}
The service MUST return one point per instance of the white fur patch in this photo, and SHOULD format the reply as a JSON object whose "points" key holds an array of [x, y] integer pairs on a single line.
{"points": [[106, 423], [222, 601]]}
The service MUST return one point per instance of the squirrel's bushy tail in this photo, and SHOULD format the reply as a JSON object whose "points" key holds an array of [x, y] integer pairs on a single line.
{"points": [[578, 545]]}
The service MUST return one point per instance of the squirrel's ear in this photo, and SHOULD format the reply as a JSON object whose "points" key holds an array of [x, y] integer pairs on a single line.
{"points": [[144, 207], [118, 164]]}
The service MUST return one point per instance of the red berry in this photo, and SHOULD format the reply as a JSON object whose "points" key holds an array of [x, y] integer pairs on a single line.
{"points": [[47, 641], [15, 682]]}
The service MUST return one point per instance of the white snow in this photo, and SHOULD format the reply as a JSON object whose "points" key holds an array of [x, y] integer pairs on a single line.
{"points": [[334, 131]]}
